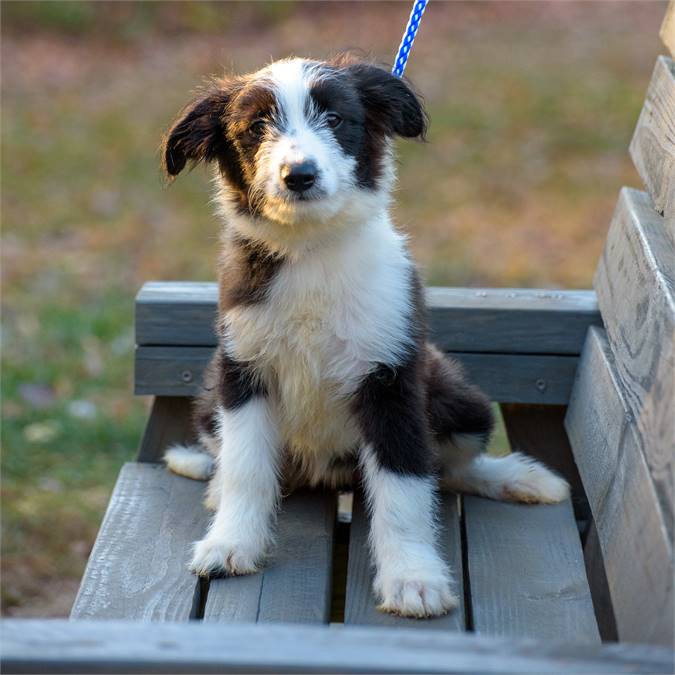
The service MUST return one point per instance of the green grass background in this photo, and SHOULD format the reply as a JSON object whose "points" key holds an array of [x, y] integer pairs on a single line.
{"points": [[532, 106]]}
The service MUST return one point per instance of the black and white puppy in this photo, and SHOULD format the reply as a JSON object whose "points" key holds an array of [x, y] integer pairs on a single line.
{"points": [[323, 364]]}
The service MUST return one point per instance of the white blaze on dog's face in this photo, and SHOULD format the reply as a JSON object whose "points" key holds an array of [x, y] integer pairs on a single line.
{"points": [[301, 168], [299, 142]]}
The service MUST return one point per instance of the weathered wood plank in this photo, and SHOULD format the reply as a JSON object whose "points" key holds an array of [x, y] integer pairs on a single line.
{"points": [[360, 603], [170, 371], [295, 584], [169, 422], [667, 32], [635, 283], [462, 319], [653, 145], [514, 378], [635, 545], [138, 568], [57, 646], [510, 320], [597, 580], [176, 313], [539, 431], [526, 572]]}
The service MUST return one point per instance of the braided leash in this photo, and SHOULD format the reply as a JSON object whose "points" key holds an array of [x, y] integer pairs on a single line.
{"points": [[409, 37]]}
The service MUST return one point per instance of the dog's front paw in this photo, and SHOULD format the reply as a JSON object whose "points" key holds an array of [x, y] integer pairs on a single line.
{"points": [[415, 597], [216, 557]]}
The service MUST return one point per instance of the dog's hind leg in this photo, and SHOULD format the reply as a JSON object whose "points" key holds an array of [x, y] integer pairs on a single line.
{"points": [[191, 461], [460, 415], [513, 478], [461, 421], [197, 460]]}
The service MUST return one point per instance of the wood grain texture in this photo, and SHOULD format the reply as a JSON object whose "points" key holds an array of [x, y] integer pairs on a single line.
{"points": [[539, 431], [360, 603], [169, 422], [653, 145], [58, 646], [526, 572], [635, 283], [170, 371], [176, 313], [526, 321], [295, 584], [138, 568], [667, 32], [636, 548], [519, 378], [516, 378]]}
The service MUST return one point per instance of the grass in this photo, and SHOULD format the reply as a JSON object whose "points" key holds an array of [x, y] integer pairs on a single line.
{"points": [[532, 108]]}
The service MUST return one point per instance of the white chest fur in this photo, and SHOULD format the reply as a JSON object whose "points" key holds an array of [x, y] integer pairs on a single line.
{"points": [[328, 318]]}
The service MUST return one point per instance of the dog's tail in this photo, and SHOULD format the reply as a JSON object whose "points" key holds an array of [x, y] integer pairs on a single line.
{"points": [[191, 461]]}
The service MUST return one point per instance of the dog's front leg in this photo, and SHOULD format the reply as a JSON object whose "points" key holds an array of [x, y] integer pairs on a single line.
{"points": [[411, 577], [246, 491]]}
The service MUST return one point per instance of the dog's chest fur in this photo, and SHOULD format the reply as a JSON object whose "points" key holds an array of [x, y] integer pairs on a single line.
{"points": [[326, 320]]}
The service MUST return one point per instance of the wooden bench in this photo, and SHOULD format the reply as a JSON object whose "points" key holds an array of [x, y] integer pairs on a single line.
{"points": [[584, 382], [521, 569]]}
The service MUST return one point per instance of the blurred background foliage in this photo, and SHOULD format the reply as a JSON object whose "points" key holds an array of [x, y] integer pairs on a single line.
{"points": [[532, 106]]}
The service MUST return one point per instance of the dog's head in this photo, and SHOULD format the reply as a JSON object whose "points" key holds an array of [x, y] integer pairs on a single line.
{"points": [[299, 140]]}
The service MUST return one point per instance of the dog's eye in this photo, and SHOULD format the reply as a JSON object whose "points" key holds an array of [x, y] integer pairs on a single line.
{"points": [[257, 128], [334, 120]]}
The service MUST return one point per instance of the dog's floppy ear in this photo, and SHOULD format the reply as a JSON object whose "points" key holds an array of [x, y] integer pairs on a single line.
{"points": [[389, 101], [198, 133]]}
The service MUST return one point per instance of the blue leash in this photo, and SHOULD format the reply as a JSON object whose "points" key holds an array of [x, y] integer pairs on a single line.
{"points": [[409, 37]]}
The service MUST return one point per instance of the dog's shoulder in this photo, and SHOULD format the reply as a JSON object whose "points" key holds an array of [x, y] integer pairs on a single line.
{"points": [[245, 271]]}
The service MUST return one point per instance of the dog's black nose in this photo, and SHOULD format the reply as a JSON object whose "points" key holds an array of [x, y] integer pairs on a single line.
{"points": [[299, 177]]}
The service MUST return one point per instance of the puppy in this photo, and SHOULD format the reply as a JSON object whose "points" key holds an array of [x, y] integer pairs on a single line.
{"points": [[323, 364]]}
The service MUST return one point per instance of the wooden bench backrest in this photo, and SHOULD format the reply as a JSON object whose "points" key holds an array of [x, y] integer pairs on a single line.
{"points": [[521, 346], [621, 416]]}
